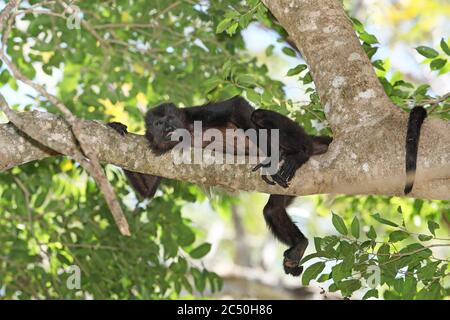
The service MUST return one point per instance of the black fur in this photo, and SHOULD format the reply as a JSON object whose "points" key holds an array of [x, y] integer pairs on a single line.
{"points": [[296, 147], [416, 118]]}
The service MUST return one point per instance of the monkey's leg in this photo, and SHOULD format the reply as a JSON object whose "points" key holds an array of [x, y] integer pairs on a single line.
{"points": [[286, 231]]}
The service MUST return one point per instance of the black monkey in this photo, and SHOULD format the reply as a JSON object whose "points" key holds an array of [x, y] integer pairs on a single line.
{"points": [[296, 147], [416, 118]]}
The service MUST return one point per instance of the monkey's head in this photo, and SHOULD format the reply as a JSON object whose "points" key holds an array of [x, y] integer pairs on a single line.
{"points": [[160, 124]]}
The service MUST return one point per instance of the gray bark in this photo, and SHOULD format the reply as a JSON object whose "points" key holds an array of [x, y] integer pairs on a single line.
{"points": [[319, 175], [366, 157]]}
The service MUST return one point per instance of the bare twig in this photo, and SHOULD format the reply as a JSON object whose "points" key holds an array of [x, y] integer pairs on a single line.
{"points": [[433, 102]]}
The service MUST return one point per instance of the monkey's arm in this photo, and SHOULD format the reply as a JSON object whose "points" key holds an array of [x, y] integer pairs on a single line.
{"points": [[144, 184], [236, 110]]}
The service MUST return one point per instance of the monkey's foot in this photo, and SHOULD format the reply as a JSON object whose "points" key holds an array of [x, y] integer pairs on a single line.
{"points": [[291, 267], [286, 171], [292, 257], [119, 127]]}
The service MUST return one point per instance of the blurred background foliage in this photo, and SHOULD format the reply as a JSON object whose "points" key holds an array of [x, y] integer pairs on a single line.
{"points": [[189, 241]]}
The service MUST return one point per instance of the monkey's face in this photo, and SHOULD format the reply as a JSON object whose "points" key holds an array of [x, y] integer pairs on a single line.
{"points": [[161, 122]]}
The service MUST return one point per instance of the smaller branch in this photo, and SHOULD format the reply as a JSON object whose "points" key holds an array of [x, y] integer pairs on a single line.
{"points": [[26, 194], [5, 13], [433, 102]]}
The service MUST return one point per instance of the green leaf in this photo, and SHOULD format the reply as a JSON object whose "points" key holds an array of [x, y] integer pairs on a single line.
{"points": [[199, 279], [200, 251], [307, 78], [309, 257], [318, 243], [246, 80], [185, 235], [312, 272], [269, 50], [231, 14], [432, 226], [368, 38], [296, 70], [427, 52], [211, 84], [340, 271], [289, 52], [232, 29], [427, 271], [422, 90], [377, 217], [437, 64], [253, 96], [267, 97], [372, 293], [383, 253], [339, 224], [398, 235], [444, 47], [223, 25], [371, 234], [349, 286], [245, 20], [379, 65], [424, 237], [409, 288], [323, 277], [355, 227], [4, 77]]}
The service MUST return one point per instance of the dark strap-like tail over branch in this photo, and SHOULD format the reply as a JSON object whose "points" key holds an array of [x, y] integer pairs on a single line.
{"points": [[416, 117]]}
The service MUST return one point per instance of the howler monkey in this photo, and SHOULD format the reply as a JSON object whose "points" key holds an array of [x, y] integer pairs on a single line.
{"points": [[295, 147]]}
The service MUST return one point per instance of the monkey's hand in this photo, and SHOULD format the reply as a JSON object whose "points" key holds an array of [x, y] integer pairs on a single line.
{"points": [[290, 163], [264, 164], [119, 127]]}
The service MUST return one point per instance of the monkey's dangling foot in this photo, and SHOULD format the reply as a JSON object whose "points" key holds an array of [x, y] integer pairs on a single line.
{"points": [[292, 257]]}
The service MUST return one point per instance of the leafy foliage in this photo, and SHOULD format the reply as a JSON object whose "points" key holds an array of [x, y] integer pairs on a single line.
{"points": [[129, 56], [400, 265]]}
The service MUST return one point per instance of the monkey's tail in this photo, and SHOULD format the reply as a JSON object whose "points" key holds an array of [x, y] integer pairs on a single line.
{"points": [[416, 118]]}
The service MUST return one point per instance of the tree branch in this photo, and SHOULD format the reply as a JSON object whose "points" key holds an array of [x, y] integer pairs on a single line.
{"points": [[369, 130], [319, 175]]}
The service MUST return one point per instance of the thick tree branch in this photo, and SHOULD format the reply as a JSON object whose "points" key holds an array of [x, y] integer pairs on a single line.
{"points": [[349, 89], [319, 175], [369, 131], [366, 156]]}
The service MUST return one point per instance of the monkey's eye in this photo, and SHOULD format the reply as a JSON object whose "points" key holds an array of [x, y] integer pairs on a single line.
{"points": [[158, 122]]}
